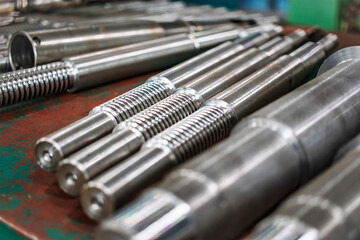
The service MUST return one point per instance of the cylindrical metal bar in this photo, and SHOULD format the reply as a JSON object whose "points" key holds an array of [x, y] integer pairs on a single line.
{"points": [[100, 67], [327, 208], [44, 5], [30, 48], [104, 118], [129, 135], [196, 133], [223, 191]]}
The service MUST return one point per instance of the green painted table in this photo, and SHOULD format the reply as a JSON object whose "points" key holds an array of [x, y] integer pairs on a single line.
{"points": [[31, 203]]}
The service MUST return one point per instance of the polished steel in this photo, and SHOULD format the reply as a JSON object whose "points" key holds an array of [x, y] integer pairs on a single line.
{"points": [[104, 118], [95, 68], [44, 5], [30, 48], [328, 208], [130, 134], [202, 129], [221, 193]]}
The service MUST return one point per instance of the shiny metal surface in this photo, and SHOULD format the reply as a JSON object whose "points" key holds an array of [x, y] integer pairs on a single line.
{"points": [[44, 5], [327, 208], [156, 118], [108, 65], [31, 48], [343, 55], [127, 178], [88, 129], [225, 190]]}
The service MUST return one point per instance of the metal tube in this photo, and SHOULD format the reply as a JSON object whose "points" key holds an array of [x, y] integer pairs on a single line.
{"points": [[205, 127], [129, 135], [100, 67], [225, 190], [29, 48], [327, 208], [104, 118]]}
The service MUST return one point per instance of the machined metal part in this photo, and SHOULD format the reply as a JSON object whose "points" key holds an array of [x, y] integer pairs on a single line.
{"points": [[103, 66], [130, 134], [44, 5], [30, 48], [202, 129], [105, 117], [221, 193], [327, 208]]}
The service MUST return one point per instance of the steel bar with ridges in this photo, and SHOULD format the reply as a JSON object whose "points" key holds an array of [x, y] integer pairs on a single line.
{"points": [[181, 141], [91, 161], [103, 119], [275, 150]]}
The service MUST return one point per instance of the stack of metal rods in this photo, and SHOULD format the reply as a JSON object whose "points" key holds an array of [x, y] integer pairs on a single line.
{"points": [[231, 80], [111, 17], [224, 191], [206, 94]]}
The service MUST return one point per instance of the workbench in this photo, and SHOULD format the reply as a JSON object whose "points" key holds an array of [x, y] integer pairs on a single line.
{"points": [[31, 203]]}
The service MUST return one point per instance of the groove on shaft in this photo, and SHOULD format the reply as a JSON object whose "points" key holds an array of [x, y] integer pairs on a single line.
{"points": [[134, 101], [163, 115], [35, 82], [207, 126]]}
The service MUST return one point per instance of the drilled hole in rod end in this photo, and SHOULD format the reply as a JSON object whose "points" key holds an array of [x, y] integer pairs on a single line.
{"points": [[22, 51], [47, 155], [95, 201], [70, 176]]}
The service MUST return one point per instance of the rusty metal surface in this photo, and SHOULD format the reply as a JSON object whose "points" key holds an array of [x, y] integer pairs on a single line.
{"points": [[31, 202]]}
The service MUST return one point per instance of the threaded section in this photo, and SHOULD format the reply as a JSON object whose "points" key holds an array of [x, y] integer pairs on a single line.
{"points": [[134, 101], [164, 114], [198, 132], [34, 82]]}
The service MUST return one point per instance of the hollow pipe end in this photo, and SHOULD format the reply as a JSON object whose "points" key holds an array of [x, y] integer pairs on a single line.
{"points": [[338, 57], [96, 201], [47, 154], [71, 177], [22, 51]]}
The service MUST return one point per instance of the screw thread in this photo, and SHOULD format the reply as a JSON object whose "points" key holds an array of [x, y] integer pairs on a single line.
{"points": [[164, 114], [207, 126], [34, 82], [134, 101]]}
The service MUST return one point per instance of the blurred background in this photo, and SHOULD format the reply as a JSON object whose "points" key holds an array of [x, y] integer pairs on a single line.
{"points": [[339, 15]]}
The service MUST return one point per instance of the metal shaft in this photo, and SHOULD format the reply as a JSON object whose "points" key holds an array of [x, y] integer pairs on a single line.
{"points": [[31, 48], [225, 190], [129, 135], [327, 208], [105, 117], [202, 129], [100, 67]]}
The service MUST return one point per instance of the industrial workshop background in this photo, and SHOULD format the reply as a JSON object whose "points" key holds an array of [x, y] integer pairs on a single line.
{"points": [[177, 120]]}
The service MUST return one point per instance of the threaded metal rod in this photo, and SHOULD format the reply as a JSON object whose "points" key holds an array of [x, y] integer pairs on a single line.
{"points": [[185, 139], [87, 130], [160, 116], [199, 131], [41, 81], [127, 138], [134, 101]]}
